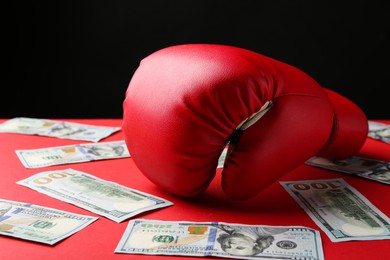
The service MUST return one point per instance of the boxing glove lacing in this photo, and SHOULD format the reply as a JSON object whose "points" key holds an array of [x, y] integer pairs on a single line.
{"points": [[233, 139]]}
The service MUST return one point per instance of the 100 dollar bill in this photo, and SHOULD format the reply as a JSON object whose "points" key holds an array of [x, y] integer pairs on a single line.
{"points": [[239, 241], [109, 199], [339, 210], [371, 169], [39, 224], [58, 129], [35, 158]]}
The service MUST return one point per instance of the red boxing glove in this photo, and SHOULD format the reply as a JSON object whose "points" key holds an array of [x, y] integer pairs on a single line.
{"points": [[185, 103]]}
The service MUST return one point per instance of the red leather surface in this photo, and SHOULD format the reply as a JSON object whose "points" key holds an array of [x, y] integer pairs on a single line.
{"points": [[184, 102], [350, 128], [273, 206]]}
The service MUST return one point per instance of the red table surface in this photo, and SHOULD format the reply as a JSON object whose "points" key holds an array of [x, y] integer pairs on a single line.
{"points": [[273, 206]]}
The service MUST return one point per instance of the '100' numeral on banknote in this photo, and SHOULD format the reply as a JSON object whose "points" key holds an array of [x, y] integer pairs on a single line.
{"points": [[339, 210]]}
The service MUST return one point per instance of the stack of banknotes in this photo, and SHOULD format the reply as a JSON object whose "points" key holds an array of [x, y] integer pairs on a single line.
{"points": [[339, 210]]}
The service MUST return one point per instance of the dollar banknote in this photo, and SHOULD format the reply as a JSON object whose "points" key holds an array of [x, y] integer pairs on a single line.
{"points": [[379, 131], [339, 210], [371, 169], [58, 129], [108, 199], [219, 239], [43, 157], [39, 224]]}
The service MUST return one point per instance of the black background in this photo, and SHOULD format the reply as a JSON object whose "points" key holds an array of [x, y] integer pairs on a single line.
{"points": [[74, 59]]}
